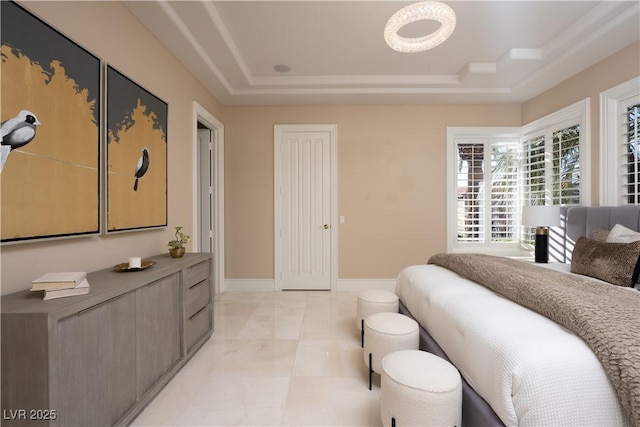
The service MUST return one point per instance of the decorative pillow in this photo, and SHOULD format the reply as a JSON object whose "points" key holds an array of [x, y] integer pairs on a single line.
{"points": [[616, 263], [621, 234], [600, 235]]}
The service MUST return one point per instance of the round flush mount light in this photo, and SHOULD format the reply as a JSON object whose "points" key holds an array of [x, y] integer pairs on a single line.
{"points": [[428, 10], [282, 68]]}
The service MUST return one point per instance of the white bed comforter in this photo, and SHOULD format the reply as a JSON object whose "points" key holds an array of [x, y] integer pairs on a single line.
{"points": [[528, 368]]}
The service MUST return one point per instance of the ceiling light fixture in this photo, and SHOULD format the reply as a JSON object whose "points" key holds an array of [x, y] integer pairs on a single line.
{"points": [[431, 10], [282, 68]]}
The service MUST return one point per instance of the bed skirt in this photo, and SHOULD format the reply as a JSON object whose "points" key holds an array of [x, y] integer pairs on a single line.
{"points": [[475, 410]]}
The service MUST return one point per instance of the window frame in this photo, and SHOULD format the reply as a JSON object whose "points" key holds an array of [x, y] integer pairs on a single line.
{"points": [[454, 134], [610, 112], [575, 114]]}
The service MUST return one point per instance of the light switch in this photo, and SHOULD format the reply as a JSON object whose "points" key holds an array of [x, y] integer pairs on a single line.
{"points": [[341, 219]]}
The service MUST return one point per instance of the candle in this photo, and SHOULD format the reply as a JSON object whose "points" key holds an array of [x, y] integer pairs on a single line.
{"points": [[135, 262]]}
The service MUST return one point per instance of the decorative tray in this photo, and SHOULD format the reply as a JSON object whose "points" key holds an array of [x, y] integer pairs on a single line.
{"points": [[125, 266]]}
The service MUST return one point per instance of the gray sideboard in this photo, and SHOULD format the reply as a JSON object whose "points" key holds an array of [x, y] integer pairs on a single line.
{"points": [[99, 359]]}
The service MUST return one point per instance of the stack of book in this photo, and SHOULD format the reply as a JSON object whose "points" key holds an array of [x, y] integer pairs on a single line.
{"points": [[61, 284]]}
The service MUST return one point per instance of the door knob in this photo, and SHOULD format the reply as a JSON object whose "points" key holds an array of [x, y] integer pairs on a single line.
{"points": [[326, 226]]}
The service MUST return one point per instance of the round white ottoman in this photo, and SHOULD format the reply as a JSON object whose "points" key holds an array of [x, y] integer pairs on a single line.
{"points": [[375, 301], [386, 333], [419, 389]]}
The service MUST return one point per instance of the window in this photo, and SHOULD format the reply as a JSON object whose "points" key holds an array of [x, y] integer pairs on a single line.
{"points": [[620, 144], [566, 166], [485, 184], [495, 171], [632, 144], [554, 150]]}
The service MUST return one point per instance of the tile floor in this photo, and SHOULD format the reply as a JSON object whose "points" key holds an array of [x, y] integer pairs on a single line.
{"points": [[274, 359]]}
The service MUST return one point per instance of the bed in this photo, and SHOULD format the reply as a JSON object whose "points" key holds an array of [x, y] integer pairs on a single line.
{"points": [[518, 366]]}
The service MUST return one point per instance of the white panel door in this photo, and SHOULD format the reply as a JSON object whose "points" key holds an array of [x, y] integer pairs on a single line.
{"points": [[304, 211]]}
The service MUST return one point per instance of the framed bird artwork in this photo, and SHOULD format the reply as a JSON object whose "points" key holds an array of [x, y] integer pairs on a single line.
{"points": [[50, 166], [136, 155]]}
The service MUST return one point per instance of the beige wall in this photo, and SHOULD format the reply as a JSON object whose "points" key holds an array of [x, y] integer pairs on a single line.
{"points": [[109, 31], [391, 171], [391, 182], [618, 68]]}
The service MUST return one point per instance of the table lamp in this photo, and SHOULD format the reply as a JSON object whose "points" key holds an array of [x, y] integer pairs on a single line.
{"points": [[541, 217]]}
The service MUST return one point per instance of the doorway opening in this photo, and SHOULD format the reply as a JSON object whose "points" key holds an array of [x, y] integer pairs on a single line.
{"points": [[208, 187]]}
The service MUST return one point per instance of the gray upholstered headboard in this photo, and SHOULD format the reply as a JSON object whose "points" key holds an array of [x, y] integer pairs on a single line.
{"points": [[580, 221]]}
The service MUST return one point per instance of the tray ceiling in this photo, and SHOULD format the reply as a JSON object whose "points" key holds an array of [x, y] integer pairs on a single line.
{"points": [[500, 51]]}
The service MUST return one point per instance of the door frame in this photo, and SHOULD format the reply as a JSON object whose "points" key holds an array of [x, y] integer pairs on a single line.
{"points": [[200, 114], [278, 130]]}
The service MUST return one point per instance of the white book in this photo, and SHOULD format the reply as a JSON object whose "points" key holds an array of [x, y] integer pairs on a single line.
{"points": [[81, 288], [58, 280]]}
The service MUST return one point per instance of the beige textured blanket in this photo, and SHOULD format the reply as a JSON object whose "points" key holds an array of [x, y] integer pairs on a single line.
{"points": [[606, 317]]}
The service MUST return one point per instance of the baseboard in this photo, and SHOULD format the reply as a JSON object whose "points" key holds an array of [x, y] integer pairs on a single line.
{"points": [[344, 285], [358, 285], [249, 285]]}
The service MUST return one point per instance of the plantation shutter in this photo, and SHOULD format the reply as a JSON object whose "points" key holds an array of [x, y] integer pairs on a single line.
{"points": [[534, 171], [629, 152], [566, 166], [504, 192], [487, 192], [470, 178], [550, 169]]}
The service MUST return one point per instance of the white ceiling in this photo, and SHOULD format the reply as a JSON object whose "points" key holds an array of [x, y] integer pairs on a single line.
{"points": [[500, 51]]}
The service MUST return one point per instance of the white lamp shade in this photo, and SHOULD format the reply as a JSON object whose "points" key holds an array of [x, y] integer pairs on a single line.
{"points": [[541, 216]]}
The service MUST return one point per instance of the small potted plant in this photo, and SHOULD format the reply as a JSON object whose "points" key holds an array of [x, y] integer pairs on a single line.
{"points": [[176, 247]]}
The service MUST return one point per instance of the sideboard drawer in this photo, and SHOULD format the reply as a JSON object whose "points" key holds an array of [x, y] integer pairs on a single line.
{"points": [[196, 297], [197, 326], [196, 273]]}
